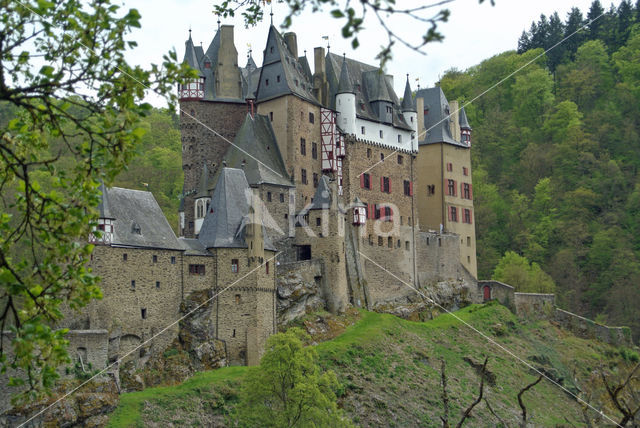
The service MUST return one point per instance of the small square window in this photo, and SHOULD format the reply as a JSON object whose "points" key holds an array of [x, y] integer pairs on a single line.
{"points": [[311, 118], [362, 130], [173, 260], [380, 241], [155, 258], [468, 241], [281, 197], [124, 257], [278, 78], [399, 138], [133, 284], [382, 157], [303, 147], [318, 221], [268, 196], [314, 150], [271, 116], [406, 245], [381, 134], [400, 159], [157, 284], [266, 82], [238, 298], [234, 265], [368, 153], [266, 267], [143, 313]]}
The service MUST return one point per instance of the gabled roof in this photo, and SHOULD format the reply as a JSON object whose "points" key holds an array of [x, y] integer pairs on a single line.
{"points": [[137, 211], [255, 145], [464, 123], [285, 74], [304, 62], [368, 84], [193, 247], [408, 104], [436, 121], [224, 225]]}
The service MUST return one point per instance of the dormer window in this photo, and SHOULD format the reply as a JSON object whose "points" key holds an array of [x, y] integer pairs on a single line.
{"points": [[207, 64], [135, 229], [278, 78], [266, 82], [271, 49]]}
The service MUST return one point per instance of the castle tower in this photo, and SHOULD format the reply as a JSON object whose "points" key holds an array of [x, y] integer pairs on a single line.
{"points": [[202, 198], [212, 107], [410, 115], [465, 129], [445, 196], [326, 239], [106, 221], [346, 101], [244, 310]]}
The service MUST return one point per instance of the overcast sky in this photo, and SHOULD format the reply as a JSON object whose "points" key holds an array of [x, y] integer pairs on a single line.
{"points": [[474, 32]]}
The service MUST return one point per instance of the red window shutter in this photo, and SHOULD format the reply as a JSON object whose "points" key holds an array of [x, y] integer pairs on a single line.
{"points": [[411, 188], [389, 184], [362, 181], [470, 216], [390, 214], [462, 190], [449, 213], [446, 188], [382, 184], [470, 191], [455, 188]]}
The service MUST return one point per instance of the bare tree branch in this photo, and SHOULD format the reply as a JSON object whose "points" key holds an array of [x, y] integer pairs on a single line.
{"points": [[479, 399], [522, 406]]}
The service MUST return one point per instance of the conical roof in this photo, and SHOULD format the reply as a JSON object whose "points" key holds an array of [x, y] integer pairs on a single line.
{"points": [[407, 100], [464, 123], [377, 86], [345, 86], [203, 183], [357, 203], [103, 206], [190, 56], [322, 198]]}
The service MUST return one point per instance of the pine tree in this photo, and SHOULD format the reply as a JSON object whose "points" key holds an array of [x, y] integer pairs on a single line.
{"points": [[524, 42], [574, 23], [625, 19], [595, 15], [554, 36]]}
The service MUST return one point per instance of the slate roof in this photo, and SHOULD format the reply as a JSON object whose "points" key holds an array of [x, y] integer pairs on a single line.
{"points": [[225, 223], [345, 85], [279, 63], [256, 145], [193, 247], [138, 210], [464, 123], [103, 206], [408, 103], [190, 55], [436, 121], [369, 84], [322, 198], [306, 68]]}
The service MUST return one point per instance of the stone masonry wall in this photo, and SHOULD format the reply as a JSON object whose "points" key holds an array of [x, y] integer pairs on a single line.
{"points": [[200, 144], [499, 291], [588, 329], [299, 289], [534, 305]]}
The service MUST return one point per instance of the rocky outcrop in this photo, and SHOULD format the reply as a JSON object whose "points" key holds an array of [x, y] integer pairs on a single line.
{"points": [[298, 290], [87, 407]]}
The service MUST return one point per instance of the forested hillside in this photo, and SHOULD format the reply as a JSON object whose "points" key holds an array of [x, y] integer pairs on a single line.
{"points": [[556, 158]]}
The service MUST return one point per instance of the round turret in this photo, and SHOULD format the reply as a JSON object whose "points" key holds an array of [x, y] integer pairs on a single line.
{"points": [[346, 101]]}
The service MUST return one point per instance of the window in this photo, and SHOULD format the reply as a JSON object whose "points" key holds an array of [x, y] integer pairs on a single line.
{"points": [[362, 130], [173, 260], [466, 191], [281, 197], [465, 171], [449, 166], [303, 147], [399, 244], [467, 219], [190, 225], [157, 284], [389, 242], [385, 184], [266, 82], [133, 284], [124, 257], [155, 258], [303, 176], [311, 118], [400, 159], [271, 49], [381, 135], [381, 157], [388, 214], [408, 188], [361, 106], [318, 221], [271, 116], [468, 241], [365, 181], [143, 313], [431, 189], [409, 221], [266, 266], [401, 220], [315, 180], [370, 239], [451, 187], [196, 269], [368, 153], [278, 78], [380, 241], [406, 245], [453, 214], [314, 150], [234, 265], [238, 300], [234, 333]]}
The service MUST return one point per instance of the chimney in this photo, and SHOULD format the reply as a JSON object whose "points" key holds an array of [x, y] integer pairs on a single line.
{"points": [[318, 60], [292, 43], [454, 122], [226, 37], [420, 108]]}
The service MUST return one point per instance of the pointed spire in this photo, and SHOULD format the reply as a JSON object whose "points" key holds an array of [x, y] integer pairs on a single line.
{"points": [[322, 198], [218, 22], [103, 206], [190, 56], [271, 14], [407, 99], [464, 123], [203, 183], [345, 86]]}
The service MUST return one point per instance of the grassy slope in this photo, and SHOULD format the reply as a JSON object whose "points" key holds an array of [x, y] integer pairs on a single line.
{"points": [[389, 370]]}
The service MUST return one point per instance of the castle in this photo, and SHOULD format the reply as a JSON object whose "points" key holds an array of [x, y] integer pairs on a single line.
{"points": [[327, 175]]}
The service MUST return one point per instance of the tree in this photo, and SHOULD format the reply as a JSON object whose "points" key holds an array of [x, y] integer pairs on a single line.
{"points": [[75, 106], [353, 17], [574, 23], [516, 270], [595, 16], [288, 388]]}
